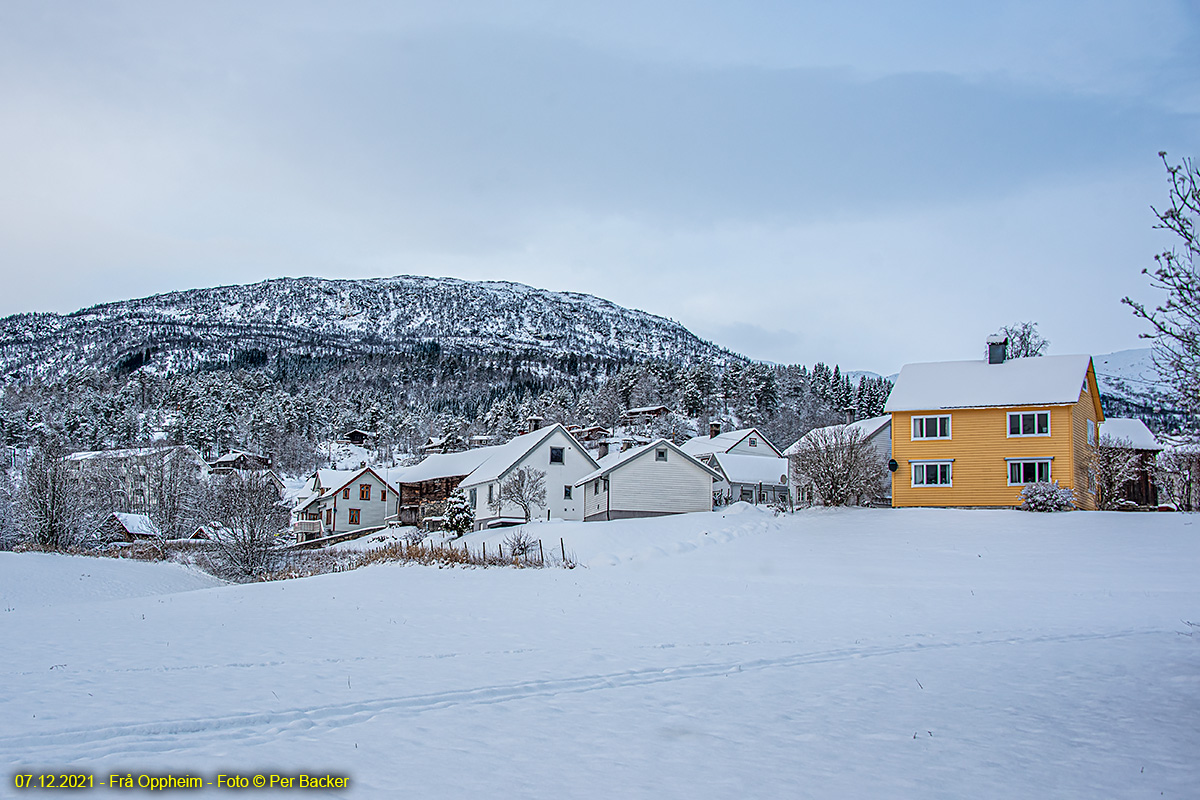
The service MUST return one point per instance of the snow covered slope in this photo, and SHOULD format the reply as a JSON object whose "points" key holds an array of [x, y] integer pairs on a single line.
{"points": [[320, 317], [851, 653]]}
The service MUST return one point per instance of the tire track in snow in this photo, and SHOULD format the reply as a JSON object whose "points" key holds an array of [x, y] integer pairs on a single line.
{"points": [[130, 740]]}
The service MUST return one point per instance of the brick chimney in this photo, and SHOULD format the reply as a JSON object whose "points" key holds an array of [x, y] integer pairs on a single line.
{"points": [[533, 423], [714, 429], [603, 448], [997, 346]]}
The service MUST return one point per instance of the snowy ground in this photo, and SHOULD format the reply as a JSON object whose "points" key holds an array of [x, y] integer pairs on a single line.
{"points": [[856, 653]]}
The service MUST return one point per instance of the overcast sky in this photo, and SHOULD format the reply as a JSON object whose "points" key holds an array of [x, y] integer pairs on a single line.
{"points": [[869, 184]]}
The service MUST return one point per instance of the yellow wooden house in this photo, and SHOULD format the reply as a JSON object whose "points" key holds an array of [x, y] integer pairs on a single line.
{"points": [[975, 433]]}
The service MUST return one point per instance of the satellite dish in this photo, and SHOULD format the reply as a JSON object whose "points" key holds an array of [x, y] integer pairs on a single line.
{"points": [[893, 466]]}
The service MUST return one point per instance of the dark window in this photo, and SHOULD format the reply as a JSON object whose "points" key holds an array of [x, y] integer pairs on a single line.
{"points": [[660, 454], [566, 493], [383, 495], [556, 455], [346, 493], [753, 442], [474, 498]]}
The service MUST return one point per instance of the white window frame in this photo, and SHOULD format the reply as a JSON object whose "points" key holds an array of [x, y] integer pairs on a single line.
{"points": [[562, 455], [1008, 424], [949, 429], [946, 462], [660, 454], [1091, 433], [1047, 460]]}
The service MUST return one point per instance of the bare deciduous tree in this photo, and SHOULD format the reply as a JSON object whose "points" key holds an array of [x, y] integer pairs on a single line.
{"points": [[246, 517], [1024, 341], [840, 466], [1113, 462], [525, 488], [50, 509], [1176, 322]]}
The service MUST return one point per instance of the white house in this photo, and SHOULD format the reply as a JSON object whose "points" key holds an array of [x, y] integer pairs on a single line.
{"points": [[751, 479], [649, 481], [342, 502], [550, 450], [745, 442], [877, 431]]}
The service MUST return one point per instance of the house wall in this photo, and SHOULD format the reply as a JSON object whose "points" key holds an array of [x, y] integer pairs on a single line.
{"points": [[371, 512], [760, 448], [575, 465], [979, 445], [644, 486]]}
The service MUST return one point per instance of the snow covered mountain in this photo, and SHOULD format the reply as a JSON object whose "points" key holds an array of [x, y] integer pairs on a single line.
{"points": [[1128, 374], [339, 318]]}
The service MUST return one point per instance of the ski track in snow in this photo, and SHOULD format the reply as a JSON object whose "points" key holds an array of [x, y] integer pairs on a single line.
{"points": [[141, 739]]}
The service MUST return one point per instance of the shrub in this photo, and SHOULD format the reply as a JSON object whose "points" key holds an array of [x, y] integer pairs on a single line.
{"points": [[1047, 497]]}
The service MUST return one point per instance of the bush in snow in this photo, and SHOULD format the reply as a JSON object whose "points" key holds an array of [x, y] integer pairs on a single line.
{"points": [[1047, 497], [519, 543], [459, 516]]}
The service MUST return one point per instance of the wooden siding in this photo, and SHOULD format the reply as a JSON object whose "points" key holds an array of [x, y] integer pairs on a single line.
{"points": [[979, 445], [645, 486], [575, 465]]}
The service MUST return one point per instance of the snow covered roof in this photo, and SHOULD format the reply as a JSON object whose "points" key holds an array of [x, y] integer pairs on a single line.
{"points": [[135, 452], [1045, 380], [137, 524], [448, 465], [614, 460], [1133, 430], [752, 469], [869, 427], [503, 457], [723, 442]]}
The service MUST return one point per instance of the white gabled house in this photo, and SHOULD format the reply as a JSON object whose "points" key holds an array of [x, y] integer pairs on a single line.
{"points": [[649, 481], [550, 450], [750, 479], [343, 501], [745, 442]]}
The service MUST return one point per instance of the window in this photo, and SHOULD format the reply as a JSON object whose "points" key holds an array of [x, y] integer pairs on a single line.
{"points": [[1029, 423], [566, 493], [931, 427], [1031, 471], [491, 496], [660, 454], [596, 487], [346, 493], [354, 516], [936, 473], [556, 455], [329, 516], [753, 442], [383, 495], [474, 498], [1092, 432], [364, 491]]}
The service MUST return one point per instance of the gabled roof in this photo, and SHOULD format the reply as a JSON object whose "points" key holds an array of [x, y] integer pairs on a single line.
{"points": [[1043, 380], [339, 479], [752, 469], [724, 442], [614, 460], [1132, 430], [869, 427], [503, 458], [448, 465], [136, 524]]}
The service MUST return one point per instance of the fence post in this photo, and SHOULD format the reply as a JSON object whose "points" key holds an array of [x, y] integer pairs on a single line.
{"points": [[564, 549], [485, 551], [541, 554]]}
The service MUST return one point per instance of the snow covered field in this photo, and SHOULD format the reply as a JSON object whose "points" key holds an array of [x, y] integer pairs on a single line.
{"points": [[849, 653]]}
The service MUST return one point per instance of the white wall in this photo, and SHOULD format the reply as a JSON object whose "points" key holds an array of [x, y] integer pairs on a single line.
{"points": [[575, 465], [644, 485]]}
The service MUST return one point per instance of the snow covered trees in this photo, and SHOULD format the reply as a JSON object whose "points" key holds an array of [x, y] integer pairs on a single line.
{"points": [[459, 517], [525, 488], [246, 516], [50, 508], [1114, 461], [1176, 322], [839, 466]]}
